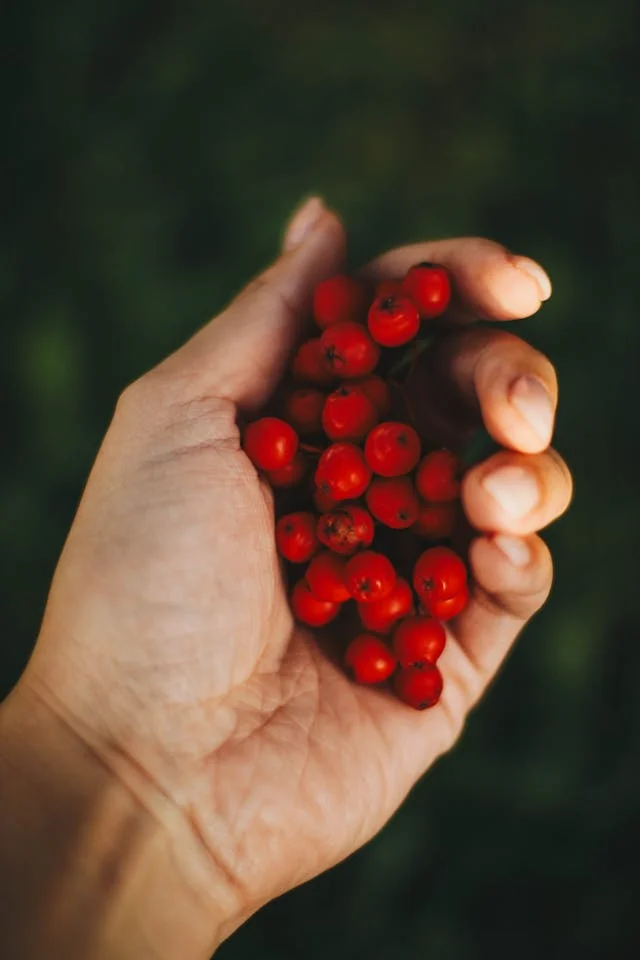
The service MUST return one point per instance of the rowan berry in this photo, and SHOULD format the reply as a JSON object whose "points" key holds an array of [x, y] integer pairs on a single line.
{"points": [[439, 574], [419, 688], [448, 608], [393, 321], [438, 476], [348, 414], [343, 472], [393, 501], [370, 576], [378, 392], [346, 529], [338, 299], [369, 660], [382, 615], [418, 640], [303, 409], [296, 536], [308, 609], [290, 475], [309, 363], [270, 443], [435, 520], [349, 350], [392, 449], [428, 285]]}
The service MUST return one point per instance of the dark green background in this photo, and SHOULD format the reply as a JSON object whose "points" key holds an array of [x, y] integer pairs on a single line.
{"points": [[150, 154]]}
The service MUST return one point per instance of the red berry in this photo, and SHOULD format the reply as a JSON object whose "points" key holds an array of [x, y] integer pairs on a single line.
{"points": [[303, 409], [296, 537], [348, 414], [343, 472], [349, 350], [382, 615], [369, 660], [388, 288], [435, 520], [448, 608], [428, 286], [308, 609], [338, 299], [392, 449], [323, 501], [310, 363], [394, 502], [378, 392], [346, 529], [438, 476], [326, 577], [419, 688], [393, 321], [290, 475], [439, 574], [418, 640], [370, 576], [270, 443]]}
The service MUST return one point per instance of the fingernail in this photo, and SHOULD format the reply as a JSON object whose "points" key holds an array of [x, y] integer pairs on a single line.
{"points": [[514, 549], [535, 271], [531, 399], [514, 489], [302, 223]]}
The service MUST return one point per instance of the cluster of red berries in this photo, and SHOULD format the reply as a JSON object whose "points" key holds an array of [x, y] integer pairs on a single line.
{"points": [[360, 523]]}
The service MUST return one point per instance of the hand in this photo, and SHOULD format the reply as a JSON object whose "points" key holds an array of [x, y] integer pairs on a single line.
{"points": [[168, 647]]}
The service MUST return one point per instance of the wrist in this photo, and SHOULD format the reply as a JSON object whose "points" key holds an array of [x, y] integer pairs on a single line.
{"points": [[100, 864]]}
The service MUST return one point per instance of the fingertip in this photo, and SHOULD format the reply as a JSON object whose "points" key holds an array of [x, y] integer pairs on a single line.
{"points": [[511, 293]]}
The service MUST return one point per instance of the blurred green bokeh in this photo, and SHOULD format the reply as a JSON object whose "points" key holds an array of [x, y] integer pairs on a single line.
{"points": [[151, 154]]}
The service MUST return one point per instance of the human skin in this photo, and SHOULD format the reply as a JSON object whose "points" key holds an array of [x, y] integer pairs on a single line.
{"points": [[178, 751]]}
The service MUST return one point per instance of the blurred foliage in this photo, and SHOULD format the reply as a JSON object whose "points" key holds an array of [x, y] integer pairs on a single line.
{"points": [[151, 153]]}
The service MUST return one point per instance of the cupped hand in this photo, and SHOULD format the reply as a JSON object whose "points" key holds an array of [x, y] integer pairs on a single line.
{"points": [[168, 646]]}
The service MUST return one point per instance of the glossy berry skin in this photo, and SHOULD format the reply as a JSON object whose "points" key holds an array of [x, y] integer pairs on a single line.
{"points": [[438, 575], [308, 609], [419, 689], [349, 350], [291, 475], [303, 409], [392, 449], [338, 299], [428, 286], [270, 443], [435, 521], [296, 537], [370, 576], [346, 529], [418, 640], [450, 607], [438, 476], [378, 392], [393, 321], [383, 615], [348, 414], [323, 501], [394, 502], [326, 577], [309, 364], [369, 660], [343, 472]]}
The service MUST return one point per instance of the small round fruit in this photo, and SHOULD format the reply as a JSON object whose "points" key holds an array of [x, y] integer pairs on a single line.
{"points": [[438, 476], [439, 574], [296, 537], [370, 576], [418, 640], [377, 390], [326, 577], [429, 287], [290, 475], [393, 321], [323, 501], [309, 364], [343, 472], [450, 607], [435, 520], [392, 449], [303, 409], [369, 660], [270, 443], [346, 529], [419, 688], [308, 609], [338, 299], [349, 350], [382, 615], [394, 502], [348, 414]]}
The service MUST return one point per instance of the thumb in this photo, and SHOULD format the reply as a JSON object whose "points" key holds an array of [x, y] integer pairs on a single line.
{"points": [[240, 355]]}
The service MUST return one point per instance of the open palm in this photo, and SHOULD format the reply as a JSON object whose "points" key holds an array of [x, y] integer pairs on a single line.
{"points": [[168, 643]]}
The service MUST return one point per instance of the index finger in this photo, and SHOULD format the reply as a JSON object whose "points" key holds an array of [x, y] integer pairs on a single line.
{"points": [[489, 282]]}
